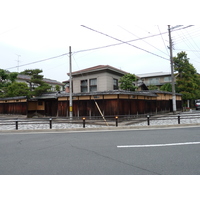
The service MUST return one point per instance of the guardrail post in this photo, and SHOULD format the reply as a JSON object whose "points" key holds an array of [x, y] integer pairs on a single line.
{"points": [[148, 120], [179, 119], [50, 123], [116, 121], [16, 124], [83, 122]]}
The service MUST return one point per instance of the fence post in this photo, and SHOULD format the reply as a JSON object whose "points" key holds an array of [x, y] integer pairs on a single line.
{"points": [[50, 123], [179, 120], [83, 122], [16, 124], [116, 121], [148, 121]]}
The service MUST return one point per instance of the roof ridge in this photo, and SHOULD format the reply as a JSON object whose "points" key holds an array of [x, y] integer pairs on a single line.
{"points": [[98, 67]]}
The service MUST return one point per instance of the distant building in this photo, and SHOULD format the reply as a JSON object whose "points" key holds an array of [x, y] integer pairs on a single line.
{"points": [[156, 79], [26, 79]]}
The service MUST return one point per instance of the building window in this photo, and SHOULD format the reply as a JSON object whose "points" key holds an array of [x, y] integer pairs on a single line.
{"points": [[167, 79], [93, 85], [115, 84], [154, 81], [84, 86]]}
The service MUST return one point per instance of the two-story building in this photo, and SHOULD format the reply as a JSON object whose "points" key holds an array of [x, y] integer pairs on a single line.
{"points": [[155, 79], [98, 78]]}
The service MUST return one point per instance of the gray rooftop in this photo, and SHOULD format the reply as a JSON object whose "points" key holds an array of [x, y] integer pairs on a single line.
{"points": [[28, 78], [154, 74]]}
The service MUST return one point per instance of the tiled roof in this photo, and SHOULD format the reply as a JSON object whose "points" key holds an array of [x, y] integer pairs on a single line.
{"points": [[148, 93], [139, 93], [98, 68]]}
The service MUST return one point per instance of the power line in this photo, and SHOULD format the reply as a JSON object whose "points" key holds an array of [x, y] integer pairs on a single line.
{"points": [[80, 51], [143, 40], [189, 44], [163, 41], [124, 42], [39, 61], [111, 45], [96, 48], [187, 50]]}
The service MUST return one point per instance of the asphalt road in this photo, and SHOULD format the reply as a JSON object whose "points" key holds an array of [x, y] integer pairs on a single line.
{"points": [[121, 152]]}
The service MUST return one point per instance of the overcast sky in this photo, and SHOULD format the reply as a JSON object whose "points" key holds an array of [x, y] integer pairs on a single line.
{"points": [[31, 31]]}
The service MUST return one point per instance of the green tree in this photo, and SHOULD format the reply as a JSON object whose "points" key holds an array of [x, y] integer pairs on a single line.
{"points": [[6, 79], [187, 78], [37, 85], [3, 76], [13, 76], [127, 82], [153, 87], [17, 89], [166, 87], [58, 88]]}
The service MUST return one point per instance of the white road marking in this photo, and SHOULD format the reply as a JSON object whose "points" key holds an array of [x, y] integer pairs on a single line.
{"points": [[157, 145]]}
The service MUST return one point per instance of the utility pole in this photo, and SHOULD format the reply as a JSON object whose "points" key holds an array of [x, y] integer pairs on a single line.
{"points": [[70, 85], [172, 72]]}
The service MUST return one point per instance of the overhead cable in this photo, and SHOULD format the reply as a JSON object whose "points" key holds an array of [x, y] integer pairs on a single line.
{"points": [[80, 51], [35, 62], [124, 42], [143, 41]]}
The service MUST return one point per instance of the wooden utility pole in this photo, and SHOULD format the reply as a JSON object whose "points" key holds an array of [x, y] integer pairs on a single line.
{"points": [[70, 85], [172, 72]]}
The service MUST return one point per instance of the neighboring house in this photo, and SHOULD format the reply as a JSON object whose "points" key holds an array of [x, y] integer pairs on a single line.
{"points": [[95, 79], [157, 79], [66, 86], [26, 79]]}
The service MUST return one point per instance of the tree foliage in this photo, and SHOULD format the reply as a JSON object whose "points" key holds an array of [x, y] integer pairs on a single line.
{"points": [[6, 79], [168, 87], [18, 89], [153, 87], [127, 82], [10, 88], [58, 88], [187, 78], [37, 85]]}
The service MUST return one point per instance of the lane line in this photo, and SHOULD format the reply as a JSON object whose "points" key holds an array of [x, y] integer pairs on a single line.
{"points": [[157, 145]]}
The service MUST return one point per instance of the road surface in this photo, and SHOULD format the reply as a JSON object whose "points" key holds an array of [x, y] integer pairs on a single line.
{"points": [[171, 151]]}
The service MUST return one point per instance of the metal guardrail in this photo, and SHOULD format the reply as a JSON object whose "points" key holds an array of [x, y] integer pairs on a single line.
{"points": [[16, 123]]}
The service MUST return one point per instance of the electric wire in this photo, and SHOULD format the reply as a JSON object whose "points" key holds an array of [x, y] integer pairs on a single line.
{"points": [[192, 40], [143, 40], [189, 44], [186, 37], [92, 49], [163, 41], [43, 60], [124, 42]]}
